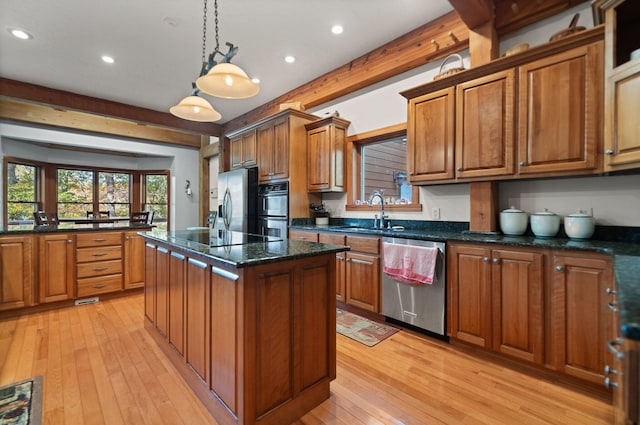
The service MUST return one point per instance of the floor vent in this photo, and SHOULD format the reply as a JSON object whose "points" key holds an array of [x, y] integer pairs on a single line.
{"points": [[87, 301]]}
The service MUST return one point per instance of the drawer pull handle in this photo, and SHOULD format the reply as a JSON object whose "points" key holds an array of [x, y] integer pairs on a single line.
{"points": [[100, 239], [609, 383], [613, 306], [611, 291], [99, 269], [99, 285], [612, 348], [99, 254], [609, 371]]}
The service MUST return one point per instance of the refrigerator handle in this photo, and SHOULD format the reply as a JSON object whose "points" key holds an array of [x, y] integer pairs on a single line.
{"points": [[227, 208]]}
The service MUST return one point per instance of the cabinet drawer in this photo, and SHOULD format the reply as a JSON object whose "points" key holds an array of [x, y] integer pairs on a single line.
{"points": [[99, 285], [99, 268], [364, 244], [98, 254], [331, 238], [303, 235], [98, 239]]}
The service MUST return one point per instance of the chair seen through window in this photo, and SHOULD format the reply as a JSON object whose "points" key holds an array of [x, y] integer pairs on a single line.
{"points": [[45, 219], [97, 214], [140, 217]]}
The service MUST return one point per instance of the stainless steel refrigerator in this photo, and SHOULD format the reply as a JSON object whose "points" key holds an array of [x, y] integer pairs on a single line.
{"points": [[238, 200]]}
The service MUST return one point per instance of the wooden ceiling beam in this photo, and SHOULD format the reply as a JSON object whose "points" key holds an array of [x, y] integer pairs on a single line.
{"points": [[474, 13], [72, 101], [434, 40]]}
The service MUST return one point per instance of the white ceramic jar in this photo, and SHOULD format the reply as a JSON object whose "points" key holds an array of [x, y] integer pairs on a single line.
{"points": [[545, 224], [579, 225], [513, 221]]}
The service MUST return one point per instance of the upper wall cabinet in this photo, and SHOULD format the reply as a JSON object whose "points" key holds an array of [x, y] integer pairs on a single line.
{"points": [[622, 86], [326, 144], [532, 114], [243, 150]]}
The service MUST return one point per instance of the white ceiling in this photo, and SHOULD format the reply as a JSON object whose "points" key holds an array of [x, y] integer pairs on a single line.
{"points": [[157, 44]]}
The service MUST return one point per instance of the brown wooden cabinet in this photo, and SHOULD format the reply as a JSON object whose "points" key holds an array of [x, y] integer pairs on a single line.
{"points": [[341, 262], [176, 303], [243, 149], [303, 235], [560, 113], [16, 272], [98, 263], [273, 150], [197, 310], [133, 260], [485, 126], [56, 267], [150, 281], [430, 137], [326, 144], [496, 299], [162, 290], [362, 272], [581, 320], [622, 86]]}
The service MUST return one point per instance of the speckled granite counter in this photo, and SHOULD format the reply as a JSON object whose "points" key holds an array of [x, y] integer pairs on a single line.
{"points": [[623, 244], [251, 254]]}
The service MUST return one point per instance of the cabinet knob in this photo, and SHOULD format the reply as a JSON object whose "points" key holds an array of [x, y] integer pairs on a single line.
{"points": [[485, 259], [459, 169], [522, 163], [69, 241], [559, 268], [609, 383], [608, 152], [612, 346], [609, 371], [613, 306], [611, 291], [411, 173], [496, 261]]}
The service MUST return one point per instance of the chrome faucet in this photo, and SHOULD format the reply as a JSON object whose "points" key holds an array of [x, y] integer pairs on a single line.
{"points": [[377, 194]]}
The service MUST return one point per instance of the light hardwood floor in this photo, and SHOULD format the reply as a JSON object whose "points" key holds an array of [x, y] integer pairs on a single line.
{"points": [[101, 367]]}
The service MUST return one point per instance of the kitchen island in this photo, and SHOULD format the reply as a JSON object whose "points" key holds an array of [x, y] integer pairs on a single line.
{"points": [[249, 324]]}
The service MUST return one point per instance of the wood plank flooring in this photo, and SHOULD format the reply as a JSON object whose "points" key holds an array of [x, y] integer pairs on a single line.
{"points": [[101, 367]]}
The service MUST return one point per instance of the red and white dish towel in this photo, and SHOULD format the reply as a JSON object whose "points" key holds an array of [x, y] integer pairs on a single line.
{"points": [[411, 264]]}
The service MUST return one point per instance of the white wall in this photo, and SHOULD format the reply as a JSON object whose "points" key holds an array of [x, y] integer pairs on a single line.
{"points": [[614, 200], [182, 162]]}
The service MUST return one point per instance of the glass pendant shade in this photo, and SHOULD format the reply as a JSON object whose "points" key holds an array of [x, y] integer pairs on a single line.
{"points": [[195, 108], [227, 81]]}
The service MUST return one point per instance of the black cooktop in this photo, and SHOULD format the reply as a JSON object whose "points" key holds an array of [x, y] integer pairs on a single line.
{"points": [[219, 237]]}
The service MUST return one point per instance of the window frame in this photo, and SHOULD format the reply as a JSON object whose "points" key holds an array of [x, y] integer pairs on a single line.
{"points": [[354, 168], [143, 192], [39, 177]]}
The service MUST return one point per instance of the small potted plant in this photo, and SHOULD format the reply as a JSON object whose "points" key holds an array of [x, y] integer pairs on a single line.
{"points": [[320, 212]]}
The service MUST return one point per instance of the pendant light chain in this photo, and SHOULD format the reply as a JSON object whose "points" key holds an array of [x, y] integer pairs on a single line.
{"points": [[215, 14], [204, 33]]}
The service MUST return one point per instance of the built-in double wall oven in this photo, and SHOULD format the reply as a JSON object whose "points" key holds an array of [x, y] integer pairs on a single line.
{"points": [[273, 209]]}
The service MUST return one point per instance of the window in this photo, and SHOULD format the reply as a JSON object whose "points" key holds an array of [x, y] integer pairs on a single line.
{"points": [[156, 198], [114, 193], [379, 163], [74, 193], [22, 192]]}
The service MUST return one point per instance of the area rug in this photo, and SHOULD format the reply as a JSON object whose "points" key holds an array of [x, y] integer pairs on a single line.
{"points": [[21, 402], [361, 329]]}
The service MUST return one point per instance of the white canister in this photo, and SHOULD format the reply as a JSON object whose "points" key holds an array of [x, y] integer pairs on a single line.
{"points": [[513, 221], [579, 225], [545, 224]]}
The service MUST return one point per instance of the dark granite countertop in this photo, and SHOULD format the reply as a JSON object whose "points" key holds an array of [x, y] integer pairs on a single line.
{"points": [[71, 227], [251, 254], [622, 243]]}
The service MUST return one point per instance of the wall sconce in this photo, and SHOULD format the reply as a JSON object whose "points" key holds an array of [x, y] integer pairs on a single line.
{"points": [[187, 188]]}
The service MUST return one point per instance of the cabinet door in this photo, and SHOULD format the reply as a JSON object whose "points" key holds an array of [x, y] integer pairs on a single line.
{"points": [[318, 159], [266, 151], [235, 146], [581, 320], [560, 112], [162, 290], [177, 267], [150, 281], [622, 132], [469, 271], [16, 272], [133, 260], [363, 281], [518, 319], [249, 148], [430, 136], [281, 149], [484, 126], [197, 316], [56, 267]]}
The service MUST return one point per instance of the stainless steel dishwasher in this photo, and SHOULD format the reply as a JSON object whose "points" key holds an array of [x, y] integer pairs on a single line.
{"points": [[421, 306]]}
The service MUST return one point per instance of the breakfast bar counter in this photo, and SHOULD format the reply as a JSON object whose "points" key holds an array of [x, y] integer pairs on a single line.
{"points": [[250, 324]]}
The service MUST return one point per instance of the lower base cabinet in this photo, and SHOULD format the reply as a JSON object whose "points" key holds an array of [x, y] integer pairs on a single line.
{"points": [[545, 307], [56, 267], [16, 272]]}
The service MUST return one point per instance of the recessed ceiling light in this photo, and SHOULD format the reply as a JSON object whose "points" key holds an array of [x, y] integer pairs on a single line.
{"points": [[289, 59], [107, 59], [337, 29], [21, 34]]}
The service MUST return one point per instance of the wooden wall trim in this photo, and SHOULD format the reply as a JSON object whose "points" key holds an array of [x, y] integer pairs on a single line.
{"points": [[72, 101], [25, 111], [406, 52]]}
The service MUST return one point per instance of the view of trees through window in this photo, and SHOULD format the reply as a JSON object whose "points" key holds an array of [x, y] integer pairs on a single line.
{"points": [[114, 193], [21, 193], [75, 193], [156, 198]]}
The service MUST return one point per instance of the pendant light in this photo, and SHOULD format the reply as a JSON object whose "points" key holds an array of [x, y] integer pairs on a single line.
{"points": [[194, 107], [225, 79]]}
